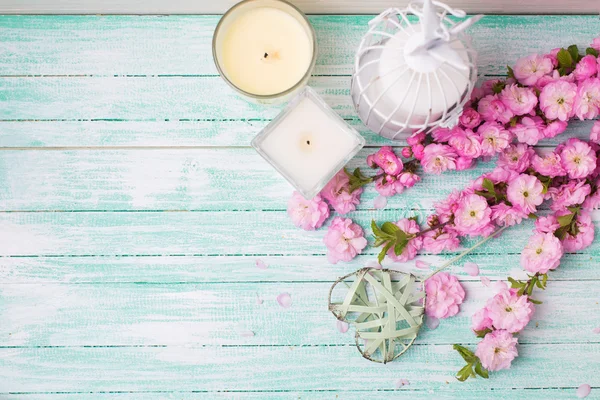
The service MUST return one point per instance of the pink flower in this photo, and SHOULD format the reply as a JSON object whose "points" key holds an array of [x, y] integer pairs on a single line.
{"points": [[406, 152], [439, 240], [587, 102], [418, 151], [550, 165], [438, 158], [472, 215], [337, 193], [585, 235], [494, 138], [409, 226], [442, 134], [569, 194], [307, 214], [463, 163], [530, 130], [505, 215], [595, 132], [466, 144], [344, 240], [491, 108], [497, 350], [519, 100], [470, 118], [548, 224], [408, 179], [586, 68], [542, 253], [554, 128], [525, 191], [578, 158], [416, 138], [481, 321], [557, 100], [499, 175], [596, 43], [509, 311], [386, 186], [553, 56], [444, 295], [516, 157], [387, 160], [447, 207], [529, 69]]}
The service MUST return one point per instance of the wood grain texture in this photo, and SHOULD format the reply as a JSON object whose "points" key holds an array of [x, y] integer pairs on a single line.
{"points": [[308, 6]]}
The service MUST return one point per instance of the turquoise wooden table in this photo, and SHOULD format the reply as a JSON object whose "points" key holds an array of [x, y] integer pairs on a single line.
{"points": [[133, 212]]}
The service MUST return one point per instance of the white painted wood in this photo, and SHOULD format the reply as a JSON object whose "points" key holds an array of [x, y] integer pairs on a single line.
{"points": [[308, 6]]}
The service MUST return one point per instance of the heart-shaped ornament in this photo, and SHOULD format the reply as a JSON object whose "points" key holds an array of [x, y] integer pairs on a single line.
{"points": [[384, 306]]}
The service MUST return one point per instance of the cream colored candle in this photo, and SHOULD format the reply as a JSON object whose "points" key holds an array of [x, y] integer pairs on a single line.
{"points": [[264, 47]]}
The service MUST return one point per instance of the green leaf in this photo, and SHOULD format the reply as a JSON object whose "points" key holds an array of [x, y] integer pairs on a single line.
{"points": [[376, 231], [574, 52], [498, 87], [565, 220], [489, 186], [591, 52], [534, 301], [482, 333], [487, 195], [539, 284], [390, 228], [544, 279], [479, 370], [384, 251], [574, 209], [565, 59], [465, 372], [516, 284], [399, 247], [511, 73], [379, 241], [465, 353], [532, 216]]}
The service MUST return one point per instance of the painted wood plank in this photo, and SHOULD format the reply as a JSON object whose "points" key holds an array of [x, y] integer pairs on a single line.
{"points": [[209, 369], [221, 314], [195, 233], [210, 269], [181, 45]]}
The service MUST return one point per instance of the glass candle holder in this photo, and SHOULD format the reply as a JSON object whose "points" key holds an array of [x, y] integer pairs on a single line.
{"points": [[265, 49], [308, 143]]}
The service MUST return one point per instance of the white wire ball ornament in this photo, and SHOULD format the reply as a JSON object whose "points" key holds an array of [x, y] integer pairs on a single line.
{"points": [[414, 76]]}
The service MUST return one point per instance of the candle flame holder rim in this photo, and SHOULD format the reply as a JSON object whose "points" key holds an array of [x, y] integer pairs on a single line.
{"points": [[266, 97]]}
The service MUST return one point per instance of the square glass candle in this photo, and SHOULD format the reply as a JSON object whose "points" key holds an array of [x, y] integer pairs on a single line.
{"points": [[308, 143]]}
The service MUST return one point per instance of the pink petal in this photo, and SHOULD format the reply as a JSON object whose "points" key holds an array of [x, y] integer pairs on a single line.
{"points": [[246, 333], [422, 264], [380, 202], [402, 382], [342, 326], [596, 330], [471, 268], [485, 281], [432, 322], [261, 264], [284, 300], [373, 264], [583, 390]]}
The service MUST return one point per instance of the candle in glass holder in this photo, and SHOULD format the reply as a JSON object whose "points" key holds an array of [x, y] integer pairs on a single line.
{"points": [[265, 49], [308, 143]]}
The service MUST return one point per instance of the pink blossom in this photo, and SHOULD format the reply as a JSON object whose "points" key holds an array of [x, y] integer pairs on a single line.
{"points": [[440, 240], [418, 151], [307, 214], [406, 152], [585, 235], [444, 295], [497, 350], [557, 100], [489, 84], [529, 69], [466, 144], [525, 191], [596, 43], [595, 132], [438, 158], [542, 253], [447, 207], [481, 321], [530, 130], [477, 94], [509, 311], [592, 202], [578, 158], [554, 128], [569, 194], [344, 240], [587, 101], [470, 118], [472, 215], [408, 179], [499, 175], [550, 165], [516, 157], [505, 215], [547, 224], [494, 138], [553, 56], [387, 160], [519, 100], [371, 161], [463, 163], [586, 68], [386, 186], [491, 108], [409, 226], [337, 193], [416, 138], [442, 134]]}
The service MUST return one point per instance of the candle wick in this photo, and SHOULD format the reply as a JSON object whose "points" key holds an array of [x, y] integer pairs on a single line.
{"points": [[266, 55], [308, 142]]}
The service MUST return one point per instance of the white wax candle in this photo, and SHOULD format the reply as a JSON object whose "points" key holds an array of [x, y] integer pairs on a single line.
{"points": [[308, 144], [265, 50]]}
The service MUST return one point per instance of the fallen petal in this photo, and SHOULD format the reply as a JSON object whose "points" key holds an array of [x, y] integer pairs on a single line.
{"points": [[422, 264], [432, 322], [342, 326], [284, 300], [485, 281], [402, 382], [259, 300], [246, 333], [596, 330], [380, 202], [583, 390], [471, 268], [261, 264]]}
